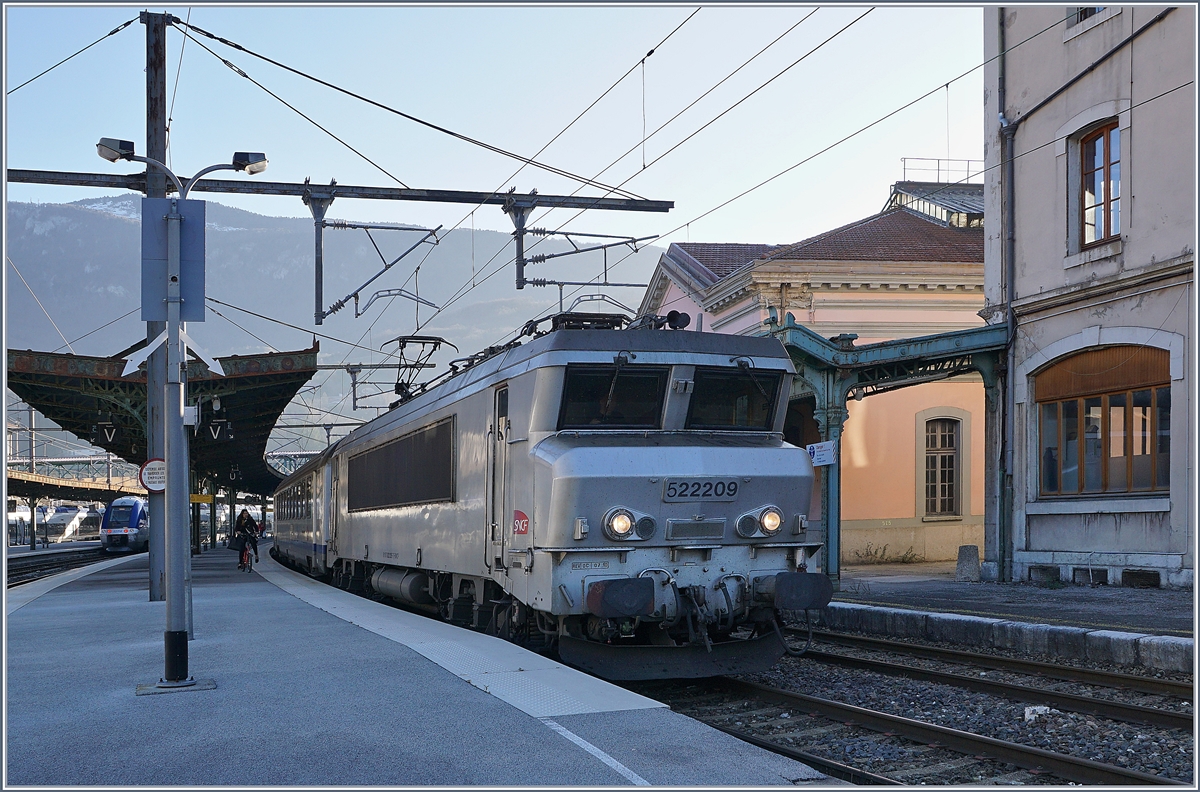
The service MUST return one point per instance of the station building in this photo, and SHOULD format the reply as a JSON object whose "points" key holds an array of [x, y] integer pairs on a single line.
{"points": [[912, 460], [1090, 223]]}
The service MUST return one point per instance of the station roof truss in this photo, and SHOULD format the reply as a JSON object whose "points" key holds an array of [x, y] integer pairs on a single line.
{"points": [[81, 393], [36, 485]]}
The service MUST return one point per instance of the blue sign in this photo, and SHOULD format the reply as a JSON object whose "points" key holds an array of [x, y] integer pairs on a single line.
{"points": [[154, 259]]}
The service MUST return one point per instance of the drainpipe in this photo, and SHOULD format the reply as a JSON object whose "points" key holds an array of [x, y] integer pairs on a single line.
{"points": [[1008, 130]]}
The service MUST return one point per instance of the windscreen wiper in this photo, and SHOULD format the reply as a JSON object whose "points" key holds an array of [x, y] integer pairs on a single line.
{"points": [[744, 364]]}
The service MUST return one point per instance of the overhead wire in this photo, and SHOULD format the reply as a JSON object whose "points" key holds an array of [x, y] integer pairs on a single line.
{"points": [[295, 110], [408, 116], [39, 302], [244, 330], [175, 91], [813, 240], [471, 214], [112, 32], [98, 329], [454, 298], [831, 146]]}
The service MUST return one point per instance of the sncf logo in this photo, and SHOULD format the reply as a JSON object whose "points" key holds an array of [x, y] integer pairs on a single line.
{"points": [[520, 523]]}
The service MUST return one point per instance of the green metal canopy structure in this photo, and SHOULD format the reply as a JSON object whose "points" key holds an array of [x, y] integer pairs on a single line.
{"points": [[832, 370], [89, 397]]}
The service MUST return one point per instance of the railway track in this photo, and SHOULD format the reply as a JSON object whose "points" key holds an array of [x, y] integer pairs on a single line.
{"points": [[30, 567], [1067, 673], [1069, 702], [904, 750]]}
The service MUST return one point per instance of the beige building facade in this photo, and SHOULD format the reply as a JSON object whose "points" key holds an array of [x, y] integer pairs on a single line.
{"points": [[912, 460], [1090, 226]]}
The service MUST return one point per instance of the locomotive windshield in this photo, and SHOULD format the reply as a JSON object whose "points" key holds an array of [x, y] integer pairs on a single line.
{"points": [[624, 397], [733, 399], [119, 515]]}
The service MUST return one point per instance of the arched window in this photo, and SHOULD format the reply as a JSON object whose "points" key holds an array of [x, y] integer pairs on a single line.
{"points": [[1104, 420], [942, 491]]}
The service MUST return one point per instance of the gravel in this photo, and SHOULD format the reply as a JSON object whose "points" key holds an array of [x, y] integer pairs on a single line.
{"points": [[1149, 749]]}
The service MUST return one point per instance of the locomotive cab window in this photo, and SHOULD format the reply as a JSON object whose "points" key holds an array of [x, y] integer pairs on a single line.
{"points": [[617, 397], [740, 398]]}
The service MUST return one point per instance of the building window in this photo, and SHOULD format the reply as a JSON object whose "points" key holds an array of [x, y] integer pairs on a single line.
{"points": [[941, 467], [1085, 13], [1100, 192], [1104, 422]]}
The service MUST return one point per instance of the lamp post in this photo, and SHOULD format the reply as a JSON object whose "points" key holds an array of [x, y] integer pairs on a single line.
{"points": [[175, 454]]}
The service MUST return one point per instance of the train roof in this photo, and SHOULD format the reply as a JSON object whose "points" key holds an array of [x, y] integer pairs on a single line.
{"points": [[555, 343]]}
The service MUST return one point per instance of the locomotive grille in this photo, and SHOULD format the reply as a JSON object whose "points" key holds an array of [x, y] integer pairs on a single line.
{"points": [[695, 529]]}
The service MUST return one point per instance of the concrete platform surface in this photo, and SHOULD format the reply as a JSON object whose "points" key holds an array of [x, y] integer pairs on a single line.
{"points": [[932, 587], [314, 686], [1151, 628]]}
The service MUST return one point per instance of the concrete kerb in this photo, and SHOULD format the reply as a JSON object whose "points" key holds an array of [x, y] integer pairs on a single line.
{"points": [[1161, 652]]}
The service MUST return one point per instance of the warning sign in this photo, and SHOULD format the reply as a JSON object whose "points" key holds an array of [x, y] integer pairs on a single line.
{"points": [[823, 453], [153, 475]]}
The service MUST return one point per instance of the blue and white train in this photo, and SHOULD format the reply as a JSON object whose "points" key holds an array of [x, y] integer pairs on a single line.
{"points": [[126, 526]]}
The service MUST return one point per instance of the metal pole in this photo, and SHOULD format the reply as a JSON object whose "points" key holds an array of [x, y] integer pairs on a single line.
{"points": [[32, 441], [175, 636], [33, 523], [318, 205], [156, 365]]}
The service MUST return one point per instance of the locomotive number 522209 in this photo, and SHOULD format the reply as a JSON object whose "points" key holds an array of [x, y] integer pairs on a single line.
{"points": [[691, 489]]}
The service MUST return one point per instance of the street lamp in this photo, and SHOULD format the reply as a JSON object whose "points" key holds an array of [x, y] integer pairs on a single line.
{"points": [[175, 455]]}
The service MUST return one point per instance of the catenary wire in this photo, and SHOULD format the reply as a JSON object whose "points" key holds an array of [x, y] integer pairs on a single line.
{"points": [[456, 295], [851, 226], [471, 214], [294, 109], [402, 114], [98, 329], [112, 32], [39, 302], [175, 91], [454, 298], [839, 142], [244, 330]]}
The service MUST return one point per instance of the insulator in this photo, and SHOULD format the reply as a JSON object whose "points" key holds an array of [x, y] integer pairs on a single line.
{"points": [[536, 231]]}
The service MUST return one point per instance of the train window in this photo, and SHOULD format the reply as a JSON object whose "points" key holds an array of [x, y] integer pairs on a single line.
{"points": [[119, 515], [733, 399], [617, 397], [416, 468]]}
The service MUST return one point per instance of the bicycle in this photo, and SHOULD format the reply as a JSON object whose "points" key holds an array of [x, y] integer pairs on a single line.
{"points": [[246, 561]]}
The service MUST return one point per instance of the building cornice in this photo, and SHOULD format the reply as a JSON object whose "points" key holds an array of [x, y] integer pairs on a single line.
{"points": [[1067, 295]]}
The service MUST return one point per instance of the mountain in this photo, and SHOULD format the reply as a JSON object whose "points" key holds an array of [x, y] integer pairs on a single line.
{"points": [[82, 260]]}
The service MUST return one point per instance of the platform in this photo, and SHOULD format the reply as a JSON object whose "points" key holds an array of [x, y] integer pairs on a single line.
{"points": [[315, 686], [1151, 628]]}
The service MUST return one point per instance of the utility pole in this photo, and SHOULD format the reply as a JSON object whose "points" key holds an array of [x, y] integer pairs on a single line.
{"points": [[32, 501], [156, 366]]}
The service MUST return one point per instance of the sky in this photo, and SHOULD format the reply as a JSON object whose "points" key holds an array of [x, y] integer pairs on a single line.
{"points": [[514, 77], [729, 98]]}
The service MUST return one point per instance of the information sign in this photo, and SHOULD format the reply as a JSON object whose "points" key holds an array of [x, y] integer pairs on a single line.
{"points": [[823, 453]]}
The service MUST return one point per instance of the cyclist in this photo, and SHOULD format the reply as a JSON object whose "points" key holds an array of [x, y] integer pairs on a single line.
{"points": [[246, 535]]}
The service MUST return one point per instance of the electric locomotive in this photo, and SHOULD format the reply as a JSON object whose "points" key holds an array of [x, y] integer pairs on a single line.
{"points": [[623, 494]]}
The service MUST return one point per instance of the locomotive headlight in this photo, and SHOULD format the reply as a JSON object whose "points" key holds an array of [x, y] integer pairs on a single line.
{"points": [[771, 519], [619, 524]]}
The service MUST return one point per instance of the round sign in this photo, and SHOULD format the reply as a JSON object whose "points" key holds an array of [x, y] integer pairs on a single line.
{"points": [[153, 475]]}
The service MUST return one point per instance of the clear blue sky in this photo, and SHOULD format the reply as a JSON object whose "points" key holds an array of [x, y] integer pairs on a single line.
{"points": [[514, 77]]}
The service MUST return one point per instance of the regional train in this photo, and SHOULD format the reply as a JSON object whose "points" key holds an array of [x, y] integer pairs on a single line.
{"points": [[622, 495], [126, 526]]}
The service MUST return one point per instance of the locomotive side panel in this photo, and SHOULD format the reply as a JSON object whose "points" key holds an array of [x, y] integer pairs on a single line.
{"points": [[445, 533]]}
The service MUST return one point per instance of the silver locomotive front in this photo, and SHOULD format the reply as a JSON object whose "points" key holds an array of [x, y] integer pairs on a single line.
{"points": [[668, 513]]}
